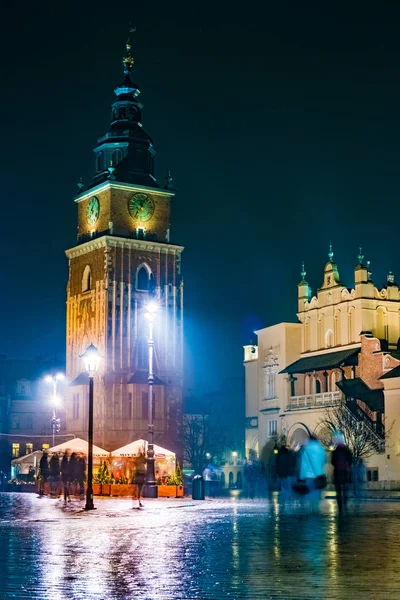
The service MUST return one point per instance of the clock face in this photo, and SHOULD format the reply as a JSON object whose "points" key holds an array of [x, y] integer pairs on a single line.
{"points": [[141, 207], [93, 210]]}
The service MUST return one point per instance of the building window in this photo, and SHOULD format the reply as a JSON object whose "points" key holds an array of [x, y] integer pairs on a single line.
{"points": [[29, 422], [140, 234], [15, 422], [28, 448], [143, 279], [100, 162], [373, 474], [86, 279], [45, 447], [15, 450], [329, 339], [317, 386], [116, 157], [272, 428], [75, 406], [130, 405]]}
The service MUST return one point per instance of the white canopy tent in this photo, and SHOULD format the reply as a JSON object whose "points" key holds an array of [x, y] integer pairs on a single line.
{"points": [[134, 448], [78, 445], [22, 464]]}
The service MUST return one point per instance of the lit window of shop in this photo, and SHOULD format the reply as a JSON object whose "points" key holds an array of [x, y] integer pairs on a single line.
{"points": [[28, 448], [15, 450], [45, 447]]}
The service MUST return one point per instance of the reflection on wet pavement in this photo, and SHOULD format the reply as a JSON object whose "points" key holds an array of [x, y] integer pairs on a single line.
{"points": [[176, 549]]}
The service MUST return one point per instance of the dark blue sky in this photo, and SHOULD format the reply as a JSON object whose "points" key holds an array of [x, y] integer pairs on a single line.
{"points": [[280, 123]]}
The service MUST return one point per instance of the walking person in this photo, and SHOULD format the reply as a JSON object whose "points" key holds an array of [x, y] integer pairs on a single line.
{"points": [[54, 467], [65, 476], [312, 469], [81, 475], [140, 476], [341, 462], [285, 467], [43, 472], [73, 472]]}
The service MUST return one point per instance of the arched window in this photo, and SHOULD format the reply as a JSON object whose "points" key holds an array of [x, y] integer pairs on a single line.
{"points": [[143, 277], [329, 339], [333, 382], [143, 355], [307, 385], [381, 323], [116, 157], [317, 386], [86, 279], [100, 162], [230, 480]]}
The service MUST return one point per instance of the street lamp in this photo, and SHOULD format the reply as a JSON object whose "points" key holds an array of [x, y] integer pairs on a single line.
{"points": [[91, 359], [55, 401], [151, 485]]}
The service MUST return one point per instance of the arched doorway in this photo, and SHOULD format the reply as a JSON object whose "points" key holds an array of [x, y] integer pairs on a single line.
{"points": [[297, 434], [230, 480], [239, 481], [222, 479]]}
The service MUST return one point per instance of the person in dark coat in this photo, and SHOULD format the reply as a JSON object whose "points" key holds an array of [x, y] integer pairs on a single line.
{"points": [[43, 472], [285, 468], [66, 476], [341, 462], [73, 471], [140, 476], [54, 474], [81, 475]]}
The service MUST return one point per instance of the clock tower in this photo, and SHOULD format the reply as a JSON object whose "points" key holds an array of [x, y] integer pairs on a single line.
{"points": [[124, 258]]}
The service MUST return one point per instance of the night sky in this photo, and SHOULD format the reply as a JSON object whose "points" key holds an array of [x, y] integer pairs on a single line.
{"points": [[280, 122]]}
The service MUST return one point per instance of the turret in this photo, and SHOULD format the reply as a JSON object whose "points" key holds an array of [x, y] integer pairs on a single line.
{"points": [[364, 286], [304, 290]]}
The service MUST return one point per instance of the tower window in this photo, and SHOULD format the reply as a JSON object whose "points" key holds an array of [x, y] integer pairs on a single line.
{"points": [[87, 279], [122, 113], [100, 162], [143, 279], [140, 233], [116, 157]]}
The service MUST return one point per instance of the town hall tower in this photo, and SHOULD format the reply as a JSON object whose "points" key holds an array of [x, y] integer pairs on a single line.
{"points": [[124, 258]]}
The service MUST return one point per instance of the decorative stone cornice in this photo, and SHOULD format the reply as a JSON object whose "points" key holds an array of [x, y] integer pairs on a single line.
{"points": [[117, 242], [107, 185]]}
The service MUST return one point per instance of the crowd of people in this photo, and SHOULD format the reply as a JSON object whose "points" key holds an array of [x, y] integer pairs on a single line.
{"points": [[301, 473], [67, 474]]}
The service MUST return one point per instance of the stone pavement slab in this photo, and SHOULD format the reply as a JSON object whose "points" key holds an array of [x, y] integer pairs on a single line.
{"points": [[184, 549]]}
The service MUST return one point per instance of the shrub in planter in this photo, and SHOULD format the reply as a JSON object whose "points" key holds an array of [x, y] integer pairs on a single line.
{"points": [[102, 481]]}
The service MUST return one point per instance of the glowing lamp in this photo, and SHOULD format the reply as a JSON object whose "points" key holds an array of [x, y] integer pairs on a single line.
{"points": [[91, 360], [151, 310], [234, 454]]}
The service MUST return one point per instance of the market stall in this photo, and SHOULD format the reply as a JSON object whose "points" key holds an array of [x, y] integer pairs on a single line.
{"points": [[122, 460]]}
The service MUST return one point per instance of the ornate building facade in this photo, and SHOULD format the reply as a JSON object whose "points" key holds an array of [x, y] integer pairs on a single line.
{"points": [[341, 351], [123, 258]]}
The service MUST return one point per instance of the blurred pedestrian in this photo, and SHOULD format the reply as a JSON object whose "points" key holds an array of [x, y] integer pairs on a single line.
{"points": [[312, 469], [54, 473], [80, 469], [358, 477], [285, 468], [43, 472], [73, 472], [341, 462], [65, 476], [252, 474], [140, 476]]}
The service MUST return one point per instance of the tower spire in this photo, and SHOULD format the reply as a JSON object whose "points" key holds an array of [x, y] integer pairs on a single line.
{"points": [[330, 253], [360, 256], [128, 61], [303, 272]]}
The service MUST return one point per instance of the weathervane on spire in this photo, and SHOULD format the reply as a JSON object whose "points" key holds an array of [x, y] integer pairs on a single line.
{"points": [[303, 272], [128, 61], [330, 253], [360, 256]]}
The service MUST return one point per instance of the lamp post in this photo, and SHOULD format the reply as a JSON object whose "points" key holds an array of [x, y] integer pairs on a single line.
{"points": [[91, 359], [55, 400], [151, 485]]}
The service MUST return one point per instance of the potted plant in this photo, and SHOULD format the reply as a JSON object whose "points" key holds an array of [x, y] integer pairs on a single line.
{"points": [[171, 486], [102, 481]]}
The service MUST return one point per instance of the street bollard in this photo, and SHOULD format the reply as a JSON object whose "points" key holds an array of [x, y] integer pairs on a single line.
{"points": [[198, 488]]}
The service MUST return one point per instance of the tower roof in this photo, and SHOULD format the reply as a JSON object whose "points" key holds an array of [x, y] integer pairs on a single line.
{"points": [[125, 147]]}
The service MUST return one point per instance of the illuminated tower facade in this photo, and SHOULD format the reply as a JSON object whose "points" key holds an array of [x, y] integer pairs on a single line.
{"points": [[124, 258]]}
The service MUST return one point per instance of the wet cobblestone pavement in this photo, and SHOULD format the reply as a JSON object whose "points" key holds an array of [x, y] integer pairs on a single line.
{"points": [[181, 549]]}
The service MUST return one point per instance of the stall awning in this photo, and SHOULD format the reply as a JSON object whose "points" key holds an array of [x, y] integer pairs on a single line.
{"points": [[357, 388], [322, 362]]}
